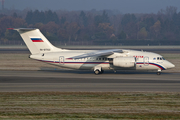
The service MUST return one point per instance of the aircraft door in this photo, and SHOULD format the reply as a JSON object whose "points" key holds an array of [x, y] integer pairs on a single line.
{"points": [[61, 60], [146, 61]]}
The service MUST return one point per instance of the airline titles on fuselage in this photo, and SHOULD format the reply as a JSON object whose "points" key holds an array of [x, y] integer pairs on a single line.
{"points": [[138, 56]]}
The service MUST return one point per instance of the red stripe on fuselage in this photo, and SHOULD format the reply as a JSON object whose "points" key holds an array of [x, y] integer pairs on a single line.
{"points": [[159, 66]]}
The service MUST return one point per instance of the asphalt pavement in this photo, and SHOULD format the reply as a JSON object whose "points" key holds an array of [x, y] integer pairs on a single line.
{"points": [[86, 81]]}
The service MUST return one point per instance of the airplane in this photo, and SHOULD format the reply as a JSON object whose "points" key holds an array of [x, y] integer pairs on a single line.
{"points": [[96, 60]]}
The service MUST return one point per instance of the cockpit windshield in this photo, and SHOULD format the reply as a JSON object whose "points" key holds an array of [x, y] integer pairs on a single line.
{"points": [[160, 58]]}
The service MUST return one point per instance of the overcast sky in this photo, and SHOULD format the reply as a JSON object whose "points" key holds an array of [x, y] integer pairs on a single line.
{"points": [[124, 6]]}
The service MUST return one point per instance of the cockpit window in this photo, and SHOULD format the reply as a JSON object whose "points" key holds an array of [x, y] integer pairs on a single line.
{"points": [[160, 58]]}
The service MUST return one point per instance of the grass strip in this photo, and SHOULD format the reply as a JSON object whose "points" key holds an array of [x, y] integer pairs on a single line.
{"points": [[89, 105]]}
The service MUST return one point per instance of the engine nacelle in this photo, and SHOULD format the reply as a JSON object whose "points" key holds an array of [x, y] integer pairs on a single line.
{"points": [[125, 62]]}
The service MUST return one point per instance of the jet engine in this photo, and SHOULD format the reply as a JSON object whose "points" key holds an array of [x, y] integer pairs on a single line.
{"points": [[125, 62]]}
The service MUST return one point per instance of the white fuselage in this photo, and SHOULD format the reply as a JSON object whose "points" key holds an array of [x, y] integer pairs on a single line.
{"points": [[99, 60], [143, 60]]}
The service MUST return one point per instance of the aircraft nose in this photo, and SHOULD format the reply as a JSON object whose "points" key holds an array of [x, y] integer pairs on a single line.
{"points": [[170, 65]]}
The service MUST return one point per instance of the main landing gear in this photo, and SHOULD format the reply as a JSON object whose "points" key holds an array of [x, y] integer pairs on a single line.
{"points": [[98, 70]]}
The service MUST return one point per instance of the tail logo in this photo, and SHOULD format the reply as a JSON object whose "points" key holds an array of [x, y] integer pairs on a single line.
{"points": [[37, 40]]}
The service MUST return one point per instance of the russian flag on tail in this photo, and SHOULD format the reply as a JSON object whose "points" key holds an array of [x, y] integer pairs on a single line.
{"points": [[37, 40]]}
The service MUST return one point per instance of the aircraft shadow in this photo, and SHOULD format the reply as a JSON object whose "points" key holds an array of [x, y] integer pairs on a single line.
{"points": [[91, 72]]}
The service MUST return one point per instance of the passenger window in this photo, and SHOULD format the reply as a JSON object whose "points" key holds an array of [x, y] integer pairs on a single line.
{"points": [[96, 58], [157, 58], [110, 59], [160, 58], [102, 58], [99, 58]]}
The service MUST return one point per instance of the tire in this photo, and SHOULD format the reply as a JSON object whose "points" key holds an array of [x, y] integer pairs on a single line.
{"points": [[96, 72], [158, 73]]}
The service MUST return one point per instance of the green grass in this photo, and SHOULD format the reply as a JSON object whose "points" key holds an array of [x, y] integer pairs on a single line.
{"points": [[87, 105]]}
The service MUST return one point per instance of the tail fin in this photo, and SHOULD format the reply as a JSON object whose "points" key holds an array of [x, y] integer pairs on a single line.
{"points": [[36, 41]]}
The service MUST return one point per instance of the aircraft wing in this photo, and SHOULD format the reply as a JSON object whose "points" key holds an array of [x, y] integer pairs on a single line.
{"points": [[98, 53]]}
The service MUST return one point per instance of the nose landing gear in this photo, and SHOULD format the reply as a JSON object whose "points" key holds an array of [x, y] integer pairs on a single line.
{"points": [[159, 72]]}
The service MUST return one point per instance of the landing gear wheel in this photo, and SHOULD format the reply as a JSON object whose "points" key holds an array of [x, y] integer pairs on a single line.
{"points": [[96, 72], [158, 73]]}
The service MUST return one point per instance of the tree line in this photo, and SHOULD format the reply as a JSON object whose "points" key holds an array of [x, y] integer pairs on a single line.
{"points": [[105, 27]]}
